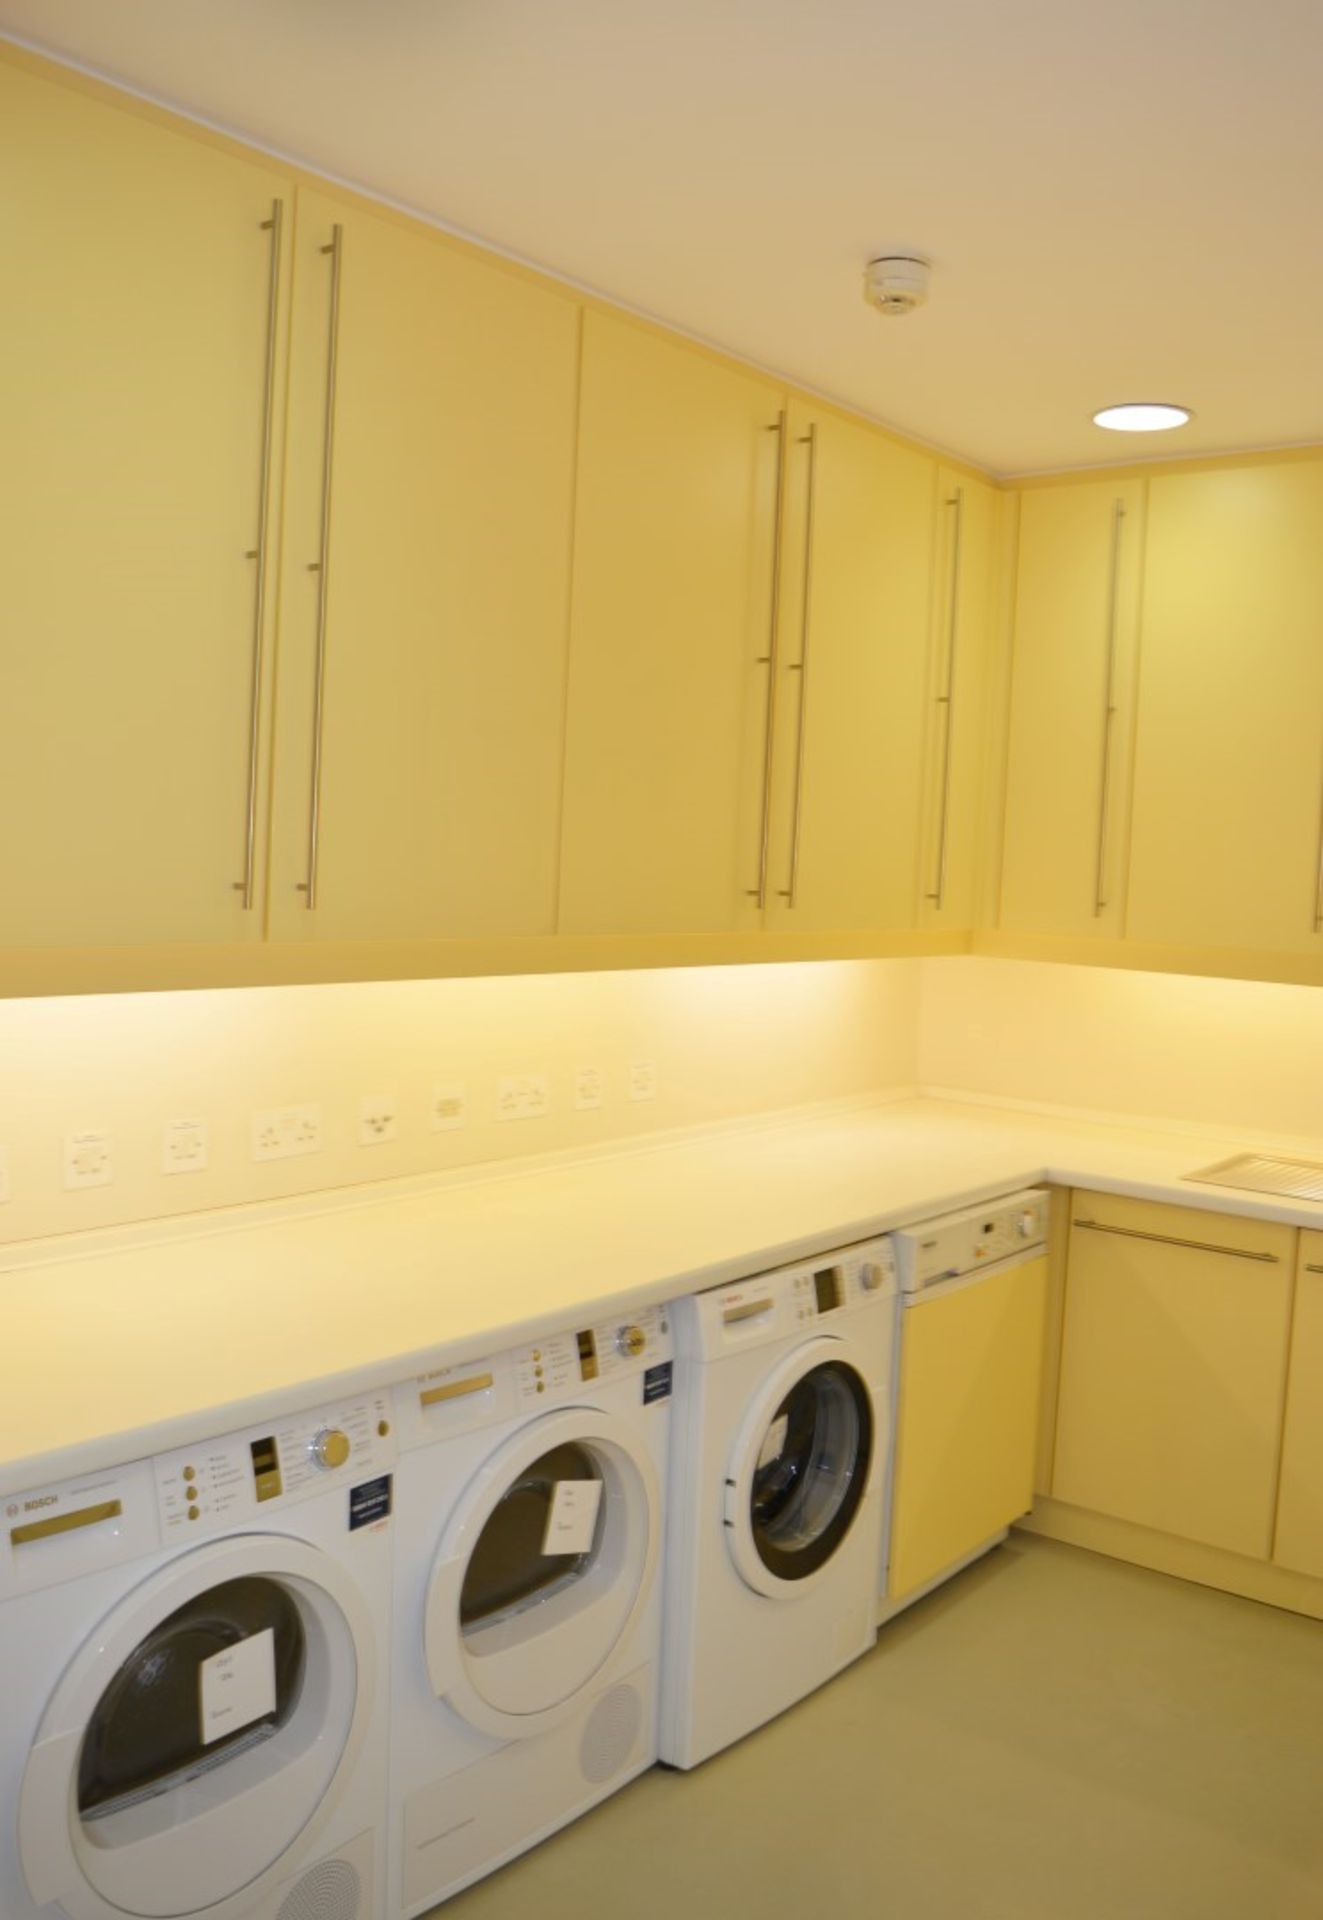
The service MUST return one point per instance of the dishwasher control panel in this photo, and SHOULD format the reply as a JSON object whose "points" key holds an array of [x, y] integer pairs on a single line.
{"points": [[961, 1243]]}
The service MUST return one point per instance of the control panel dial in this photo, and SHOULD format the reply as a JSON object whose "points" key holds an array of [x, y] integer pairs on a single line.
{"points": [[630, 1342], [329, 1449]]}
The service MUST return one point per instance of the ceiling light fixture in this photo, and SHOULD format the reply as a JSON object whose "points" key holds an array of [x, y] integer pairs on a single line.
{"points": [[1141, 416]]}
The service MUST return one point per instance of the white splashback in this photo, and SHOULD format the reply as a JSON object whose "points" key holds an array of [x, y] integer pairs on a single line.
{"points": [[1241, 1056], [723, 1042]]}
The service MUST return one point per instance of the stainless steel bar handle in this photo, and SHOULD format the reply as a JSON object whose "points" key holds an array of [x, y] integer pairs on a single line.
{"points": [[768, 660], [801, 666], [947, 700], [321, 566], [1109, 712], [273, 226], [1318, 874], [1172, 1240]]}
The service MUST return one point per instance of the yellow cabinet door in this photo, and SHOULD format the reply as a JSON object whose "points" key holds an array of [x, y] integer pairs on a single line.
{"points": [[424, 601], [1173, 1369], [851, 667], [140, 376], [968, 525], [1229, 748], [667, 720], [1299, 1538], [1078, 573], [971, 1372]]}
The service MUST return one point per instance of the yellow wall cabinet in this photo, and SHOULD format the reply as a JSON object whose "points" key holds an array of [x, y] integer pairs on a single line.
{"points": [[965, 551], [1173, 1369], [851, 660], [426, 588], [1226, 841], [971, 1365], [1071, 705], [681, 462], [139, 389], [1299, 1539]]}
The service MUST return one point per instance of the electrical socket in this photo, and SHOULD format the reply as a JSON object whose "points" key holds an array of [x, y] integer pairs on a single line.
{"points": [[377, 1119], [6, 1191], [642, 1080], [88, 1160], [449, 1107], [279, 1133], [184, 1146], [588, 1091], [524, 1096]]}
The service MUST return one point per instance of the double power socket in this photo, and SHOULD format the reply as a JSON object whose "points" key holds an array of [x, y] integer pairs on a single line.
{"points": [[283, 1133]]}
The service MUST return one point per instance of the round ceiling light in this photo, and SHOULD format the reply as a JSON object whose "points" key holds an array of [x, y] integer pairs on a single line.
{"points": [[1142, 416]]}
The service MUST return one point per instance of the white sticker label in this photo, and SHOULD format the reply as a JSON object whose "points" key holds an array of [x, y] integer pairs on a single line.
{"points": [[572, 1519], [238, 1686], [774, 1440]]}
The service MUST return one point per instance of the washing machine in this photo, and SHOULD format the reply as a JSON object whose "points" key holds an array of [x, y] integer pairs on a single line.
{"points": [[191, 1668], [529, 1524], [779, 1473]]}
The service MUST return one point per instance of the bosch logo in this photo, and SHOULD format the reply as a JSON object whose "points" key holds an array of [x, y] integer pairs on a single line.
{"points": [[46, 1500], [11, 1510]]}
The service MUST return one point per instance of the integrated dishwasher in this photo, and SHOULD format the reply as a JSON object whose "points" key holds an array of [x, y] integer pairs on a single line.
{"points": [[974, 1297]]}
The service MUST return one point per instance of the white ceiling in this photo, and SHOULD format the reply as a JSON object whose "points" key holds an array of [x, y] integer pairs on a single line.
{"points": [[1123, 198]]}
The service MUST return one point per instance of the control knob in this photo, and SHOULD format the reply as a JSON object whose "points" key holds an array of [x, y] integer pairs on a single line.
{"points": [[329, 1449], [1026, 1224], [630, 1342], [871, 1276]]}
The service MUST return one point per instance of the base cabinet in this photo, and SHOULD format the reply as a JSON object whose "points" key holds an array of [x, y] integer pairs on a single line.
{"points": [[1299, 1540], [1173, 1369]]}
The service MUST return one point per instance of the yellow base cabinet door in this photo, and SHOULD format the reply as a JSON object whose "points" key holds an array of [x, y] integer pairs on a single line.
{"points": [[1173, 1369], [851, 675], [1299, 1538], [968, 525], [1229, 747], [140, 396], [667, 742], [1078, 573], [425, 588], [971, 1371]]}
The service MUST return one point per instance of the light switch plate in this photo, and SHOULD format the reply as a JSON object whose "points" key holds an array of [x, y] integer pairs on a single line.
{"points": [[523, 1096], [378, 1119], [88, 1160], [184, 1146], [588, 1089], [279, 1133], [642, 1080], [450, 1107]]}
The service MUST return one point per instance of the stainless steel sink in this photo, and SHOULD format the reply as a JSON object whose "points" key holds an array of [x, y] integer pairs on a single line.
{"points": [[1265, 1173]]}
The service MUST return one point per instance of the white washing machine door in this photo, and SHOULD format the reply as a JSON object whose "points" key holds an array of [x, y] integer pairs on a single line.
{"points": [[159, 1786], [800, 1469], [543, 1568]]}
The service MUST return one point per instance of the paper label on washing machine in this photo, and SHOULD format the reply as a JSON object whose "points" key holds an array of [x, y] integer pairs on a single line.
{"points": [[572, 1517], [773, 1441], [238, 1686]]}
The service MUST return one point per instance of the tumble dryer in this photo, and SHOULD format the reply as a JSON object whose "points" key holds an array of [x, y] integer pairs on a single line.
{"points": [[191, 1654], [782, 1427], [529, 1540]]}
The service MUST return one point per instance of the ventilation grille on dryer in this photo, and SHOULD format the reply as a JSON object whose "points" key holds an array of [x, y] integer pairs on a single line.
{"points": [[608, 1738], [331, 1891]]}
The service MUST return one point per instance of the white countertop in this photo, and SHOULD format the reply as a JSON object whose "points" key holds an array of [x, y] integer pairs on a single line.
{"points": [[122, 1344]]}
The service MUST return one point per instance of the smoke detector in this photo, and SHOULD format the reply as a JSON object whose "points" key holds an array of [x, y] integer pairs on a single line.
{"points": [[897, 283]]}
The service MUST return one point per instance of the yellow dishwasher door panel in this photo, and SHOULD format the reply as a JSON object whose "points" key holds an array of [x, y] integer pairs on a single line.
{"points": [[967, 1421]]}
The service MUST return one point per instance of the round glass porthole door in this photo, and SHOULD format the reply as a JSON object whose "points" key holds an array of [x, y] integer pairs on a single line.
{"points": [[543, 1568], [804, 1471], [202, 1732]]}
